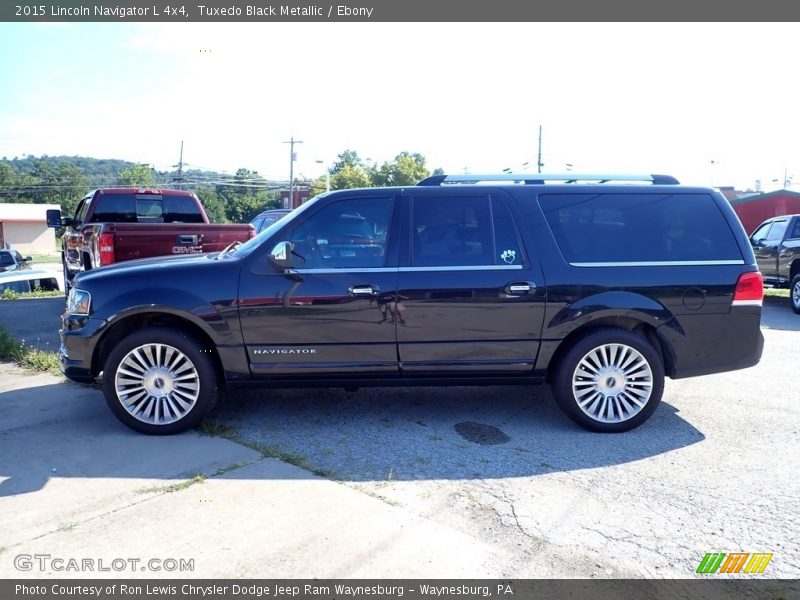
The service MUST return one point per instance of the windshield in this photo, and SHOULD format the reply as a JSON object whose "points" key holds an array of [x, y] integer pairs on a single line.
{"points": [[6, 259], [250, 245]]}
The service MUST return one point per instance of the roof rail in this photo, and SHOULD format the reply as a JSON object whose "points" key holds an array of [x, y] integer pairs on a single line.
{"points": [[541, 178]]}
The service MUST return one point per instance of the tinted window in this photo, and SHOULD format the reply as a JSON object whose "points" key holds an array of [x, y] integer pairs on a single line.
{"points": [[80, 212], [639, 227], [47, 284], [16, 286], [145, 208], [6, 259], [795, 230], [181, 209], [507, 246], [761, 233], [776, 233], [115, 208], [462, 231], [256, 223], [345, 234]]}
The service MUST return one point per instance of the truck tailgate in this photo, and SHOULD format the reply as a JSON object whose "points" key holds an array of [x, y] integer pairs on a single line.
{"points": [[143, 240]]}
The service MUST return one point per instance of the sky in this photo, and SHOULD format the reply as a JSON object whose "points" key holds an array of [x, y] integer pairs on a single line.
{"points": [[711, 104]]}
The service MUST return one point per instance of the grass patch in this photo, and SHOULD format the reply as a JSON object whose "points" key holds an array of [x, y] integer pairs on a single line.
{"points": [[217, 429], [41, 361], [55, 257], [175, 487], [67, 526], [776, 293], [9, 294], [3, 549]]}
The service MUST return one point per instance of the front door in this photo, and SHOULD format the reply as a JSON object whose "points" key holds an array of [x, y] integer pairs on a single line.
{"points": [[328, 314], [470, 299], [766, 242]]}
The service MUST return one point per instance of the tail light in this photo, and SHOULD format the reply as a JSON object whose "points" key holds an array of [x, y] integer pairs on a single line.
{"points": [[105, 249], [749, 290]]}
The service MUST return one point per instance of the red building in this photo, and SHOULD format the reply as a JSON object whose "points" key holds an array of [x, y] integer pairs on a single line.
{"points": [[754, 210], [301, 196]]}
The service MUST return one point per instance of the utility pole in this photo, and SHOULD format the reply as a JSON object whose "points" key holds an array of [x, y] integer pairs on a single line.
{"points": [[292, 158], [179, 178], [539, 164]]}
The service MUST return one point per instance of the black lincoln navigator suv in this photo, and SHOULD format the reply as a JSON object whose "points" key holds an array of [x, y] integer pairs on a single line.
{"points": [[598, 285]]}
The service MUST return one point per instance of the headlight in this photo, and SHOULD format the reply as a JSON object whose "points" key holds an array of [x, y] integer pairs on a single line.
{"points": [[78, 302]]}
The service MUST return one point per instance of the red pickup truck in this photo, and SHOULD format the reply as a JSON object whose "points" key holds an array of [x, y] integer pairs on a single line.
{"points": [[112, 225]]}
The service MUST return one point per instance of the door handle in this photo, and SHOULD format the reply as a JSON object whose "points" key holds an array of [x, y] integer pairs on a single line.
{"points": [[363, 291], [519, 288]]}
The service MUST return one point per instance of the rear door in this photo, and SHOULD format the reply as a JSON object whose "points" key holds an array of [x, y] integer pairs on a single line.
{"points": [[470, 300]]}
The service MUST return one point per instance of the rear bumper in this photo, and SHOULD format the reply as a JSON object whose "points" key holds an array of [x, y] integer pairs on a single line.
{"points": [[705, 344]]}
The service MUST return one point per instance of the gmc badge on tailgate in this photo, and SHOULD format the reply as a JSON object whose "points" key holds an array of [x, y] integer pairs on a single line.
{"points": [[187, 249]]}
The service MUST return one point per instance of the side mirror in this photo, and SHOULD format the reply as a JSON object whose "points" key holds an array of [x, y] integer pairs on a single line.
{"points": [[27, 259], [281, 255], [54, 218]]}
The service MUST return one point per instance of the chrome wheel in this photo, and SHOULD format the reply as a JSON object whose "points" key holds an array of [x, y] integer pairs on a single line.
{"points": [[796, 293], [612, 383], [157, 384]]}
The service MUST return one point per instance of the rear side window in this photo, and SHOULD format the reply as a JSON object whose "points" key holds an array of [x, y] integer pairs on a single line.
{"points": [[463, 231], [627, 228]]}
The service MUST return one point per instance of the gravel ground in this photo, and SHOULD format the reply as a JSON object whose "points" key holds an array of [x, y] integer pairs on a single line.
{"points": [[714, 470]]}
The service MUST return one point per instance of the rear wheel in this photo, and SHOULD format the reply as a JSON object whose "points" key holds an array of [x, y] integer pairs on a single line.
{"points": [[609, 381], [794, 293], [159, 381]]}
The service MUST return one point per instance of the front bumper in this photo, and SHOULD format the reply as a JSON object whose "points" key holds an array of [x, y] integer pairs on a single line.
{"points": [[79, 337]]}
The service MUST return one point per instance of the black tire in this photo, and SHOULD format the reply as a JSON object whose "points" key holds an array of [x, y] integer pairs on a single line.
{"points": [[609, 389], [794, 294], [186, 377]]}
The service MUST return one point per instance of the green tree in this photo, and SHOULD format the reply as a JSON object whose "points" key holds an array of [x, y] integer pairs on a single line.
{"points": [[6, 177], [406, 169], [244, 196], [70, 185], [214, 207], [137, 175], [350, 176], [347, 158]]}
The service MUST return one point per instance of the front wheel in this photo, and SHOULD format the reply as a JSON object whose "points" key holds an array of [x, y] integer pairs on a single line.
{"points": [[160, 381], [794, 294], [609, 381]]}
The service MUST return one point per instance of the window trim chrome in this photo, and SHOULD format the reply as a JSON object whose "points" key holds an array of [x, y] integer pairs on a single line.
{"points": [[464, 268], [413, 269], [659, 263]]}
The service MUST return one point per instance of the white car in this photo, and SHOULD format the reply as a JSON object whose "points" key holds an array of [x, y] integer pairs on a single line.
{"points": [[11, 260], [28, 280]]}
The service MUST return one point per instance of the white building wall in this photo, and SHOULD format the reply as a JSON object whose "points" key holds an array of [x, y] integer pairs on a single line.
{"points": [[29, 237]]}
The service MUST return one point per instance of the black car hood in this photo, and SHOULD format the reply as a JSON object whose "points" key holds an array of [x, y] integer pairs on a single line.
{"points": [[150, 267]]}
